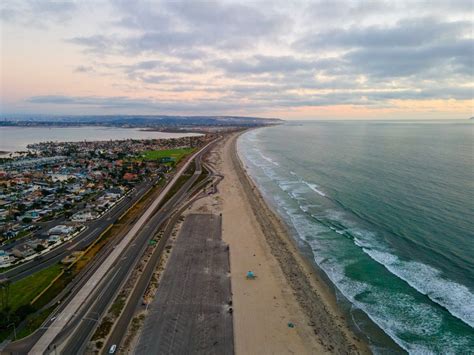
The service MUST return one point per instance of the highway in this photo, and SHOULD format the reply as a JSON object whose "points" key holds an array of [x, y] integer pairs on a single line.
{"points": [[81, 241], [70, 332]]}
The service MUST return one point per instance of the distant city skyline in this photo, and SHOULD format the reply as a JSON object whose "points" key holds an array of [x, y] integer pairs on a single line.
{"points": [[304, 60]]}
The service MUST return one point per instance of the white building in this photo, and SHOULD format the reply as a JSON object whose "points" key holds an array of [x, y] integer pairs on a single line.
{"points": [[60, 229], [4, 258], [54, 238], [84, 216]]}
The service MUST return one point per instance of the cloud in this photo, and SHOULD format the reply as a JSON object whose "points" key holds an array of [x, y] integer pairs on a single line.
{"points": [[222, 55], [96, 44], [184, 28], [95, 101], [260, 64], [322, 14], [141, 15], [258, 98], [440, 60], [206, 20], [123, 104], [406, 33], [84, 69], [219, 20], [411, 47], [37, 13]]}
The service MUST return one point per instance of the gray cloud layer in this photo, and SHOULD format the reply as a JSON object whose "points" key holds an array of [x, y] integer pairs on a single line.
{"points": [[277, 55]]}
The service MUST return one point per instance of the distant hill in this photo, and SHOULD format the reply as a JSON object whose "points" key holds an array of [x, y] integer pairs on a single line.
{"points": [[135, 120]]}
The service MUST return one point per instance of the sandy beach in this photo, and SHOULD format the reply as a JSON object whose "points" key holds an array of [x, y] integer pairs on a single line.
{"points": [[286, 309]]}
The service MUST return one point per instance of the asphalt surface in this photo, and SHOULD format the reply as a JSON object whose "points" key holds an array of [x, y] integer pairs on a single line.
{"points": [[82, 240], [191, 311]]}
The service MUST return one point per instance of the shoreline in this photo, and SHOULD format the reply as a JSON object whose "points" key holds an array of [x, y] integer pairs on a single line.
{"points": [[314, 297]]}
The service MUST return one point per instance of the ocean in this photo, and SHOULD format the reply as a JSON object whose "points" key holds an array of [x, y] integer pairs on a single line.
{"points": [[385, 210], [14, 139]]}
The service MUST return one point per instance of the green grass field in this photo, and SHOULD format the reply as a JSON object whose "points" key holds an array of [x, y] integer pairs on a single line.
{"points": [[22, 292], [175, 154], [33, 322]]}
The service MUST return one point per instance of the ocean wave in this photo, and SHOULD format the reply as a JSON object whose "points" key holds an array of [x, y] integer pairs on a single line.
{"points": [[285, 185], [314, 187], [270, 160], [398, 314], [305, 207], [457, 299], [390, 315]]}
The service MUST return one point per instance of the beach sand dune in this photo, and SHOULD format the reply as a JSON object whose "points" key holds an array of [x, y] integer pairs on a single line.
{"points": [[286, 309]]}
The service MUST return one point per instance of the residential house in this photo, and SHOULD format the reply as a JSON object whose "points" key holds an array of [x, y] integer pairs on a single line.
{"points": [[5, 258], [35, 243], [23, 251], [83, 216], [54, 239], [60, 229]]}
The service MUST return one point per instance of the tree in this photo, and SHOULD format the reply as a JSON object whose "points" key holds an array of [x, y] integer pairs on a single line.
{"points": [[4, 294], [39, 248], [23, 311]]}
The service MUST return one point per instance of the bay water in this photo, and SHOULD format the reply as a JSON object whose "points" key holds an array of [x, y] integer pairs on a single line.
{"points": [[15, 138]]}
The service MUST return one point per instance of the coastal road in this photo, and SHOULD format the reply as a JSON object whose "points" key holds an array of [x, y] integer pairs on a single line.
{"points": [[101, 289], [191, 312], [81, 241]]}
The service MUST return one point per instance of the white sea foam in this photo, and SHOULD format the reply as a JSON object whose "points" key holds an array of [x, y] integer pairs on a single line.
{"points": [[398, 304], [340, 231], [456, 298], [285, 185], [336, 215], [270, 160], [314, 187], [398, 314], [305, 207]]}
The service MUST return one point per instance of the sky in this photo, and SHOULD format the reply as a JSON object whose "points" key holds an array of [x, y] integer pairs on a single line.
{"points": [[287, 59]]}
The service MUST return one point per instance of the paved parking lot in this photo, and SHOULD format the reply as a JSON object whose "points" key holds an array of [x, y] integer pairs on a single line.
{"points": [[190, 312]]}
